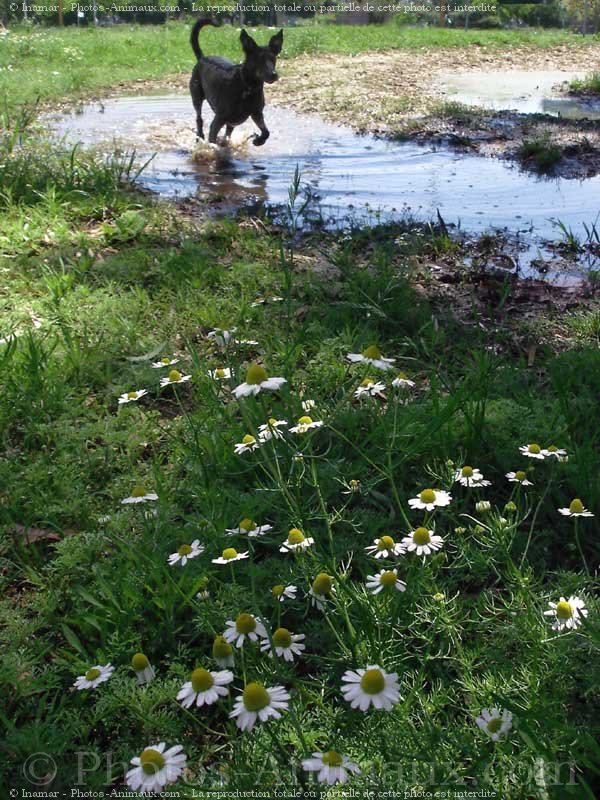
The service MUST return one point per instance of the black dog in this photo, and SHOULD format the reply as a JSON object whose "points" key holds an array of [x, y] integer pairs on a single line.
{"points": [[234, 91]]}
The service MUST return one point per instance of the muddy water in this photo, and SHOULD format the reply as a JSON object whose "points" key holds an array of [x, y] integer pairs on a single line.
{"points": [[350, 177], [535, 92]]}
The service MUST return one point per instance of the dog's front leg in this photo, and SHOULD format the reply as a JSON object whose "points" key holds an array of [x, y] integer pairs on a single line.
{"points": [[259, 121]]}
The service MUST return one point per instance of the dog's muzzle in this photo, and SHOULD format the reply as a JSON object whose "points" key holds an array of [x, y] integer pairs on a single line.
{"points": [[272, 78]]}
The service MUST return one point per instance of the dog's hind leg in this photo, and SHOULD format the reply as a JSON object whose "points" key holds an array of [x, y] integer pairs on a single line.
{"points": [[213, 131], [228, 131], [197, 99], [259, 121]]}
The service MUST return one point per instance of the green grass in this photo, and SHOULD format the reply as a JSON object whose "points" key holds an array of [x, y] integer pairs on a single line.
{"points": [[589, 85], [540, 153], [51, 63], [114, 281]]}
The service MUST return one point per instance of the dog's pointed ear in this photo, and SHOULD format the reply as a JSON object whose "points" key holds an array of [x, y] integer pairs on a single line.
{"points": [[248, 42], [276, 42]]}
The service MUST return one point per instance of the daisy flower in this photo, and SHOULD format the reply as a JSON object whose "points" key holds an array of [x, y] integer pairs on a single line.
{"points": [[371, 686], [256, 381], [428, 499], [321, 590], [532, 450], [219, 374], [221, 336], [165, 362], [385, 579], [305, 424], [567, 614], [372, 356], [402, 381], [471, 477], [270, 430], [575, 509], [422, 541], [296, 540], [495, 722], [245, 626], [285, 643], [139, 495], [308, 405], [173, 377], [94, 677], [556, 452], [384, 547], [222, 652], [282, 593], [155, 767], [518, 477], [204, 687], [247, 444], [185, 552], [259, 703], [352, 487], [331, 767], [143, 669], [370, 387], [229, 555], [248, 527], [131, 397]]}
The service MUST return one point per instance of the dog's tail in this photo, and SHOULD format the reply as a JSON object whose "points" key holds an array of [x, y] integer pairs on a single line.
{"points": [[195, 33]]}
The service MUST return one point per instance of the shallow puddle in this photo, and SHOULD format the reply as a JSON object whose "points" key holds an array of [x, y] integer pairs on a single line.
{"points": [[536, 92], [351, 177]]}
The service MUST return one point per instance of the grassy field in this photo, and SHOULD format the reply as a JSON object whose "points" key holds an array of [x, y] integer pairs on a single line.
{"points": [[99, 284], [589, 85], [48, 64]]}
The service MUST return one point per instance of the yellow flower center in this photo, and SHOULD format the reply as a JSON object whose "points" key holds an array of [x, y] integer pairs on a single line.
{"points": [[256, 374], [245, 623], [520, 475], [282, 637], [552, 448], [576, 506], [467, 472], [220, 372], [271, 422], [385, 543], [427, 496], [388, 579], [229, 553], [402, 376], [367, 382], [278, 590], [322, 584], [247, 524], [221, 648], [174, 376], [372, 682], [494, 725], [305, 421], [151, 761], [132, 395], [138, 491], [372, 352], [564, 610], [248, 439], [92, 674], [139, 662], [534, 448], [165, 361], [184, 549], [421, 536], [201, 680], [256, 697], [332, 758], [295, 536]]}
